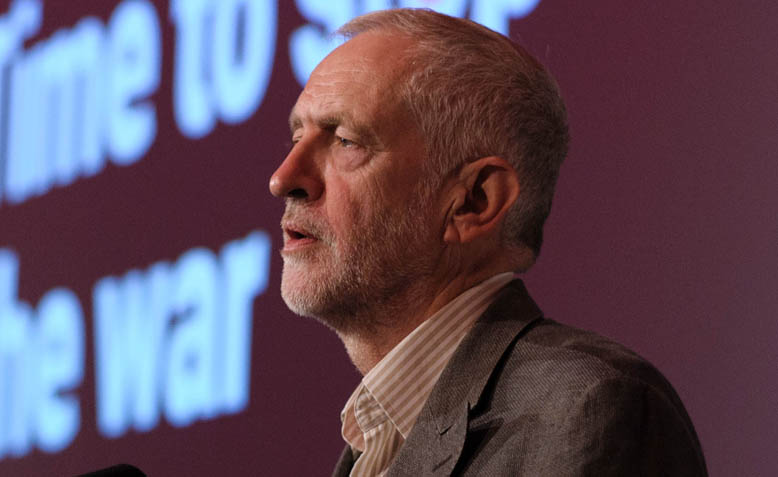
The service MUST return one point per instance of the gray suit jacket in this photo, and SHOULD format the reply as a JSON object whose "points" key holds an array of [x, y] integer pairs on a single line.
{"points": [[526, 396]]}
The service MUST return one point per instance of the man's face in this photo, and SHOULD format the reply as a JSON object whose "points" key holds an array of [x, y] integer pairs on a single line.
{"points": [[357, 229]]}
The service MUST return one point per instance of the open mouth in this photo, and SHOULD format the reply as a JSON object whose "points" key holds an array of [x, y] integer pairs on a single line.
{"points": [[297, 234], [297, 237]]}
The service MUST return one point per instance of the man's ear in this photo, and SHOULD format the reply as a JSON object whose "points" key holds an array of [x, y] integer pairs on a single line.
{"points": [[486, 190]]}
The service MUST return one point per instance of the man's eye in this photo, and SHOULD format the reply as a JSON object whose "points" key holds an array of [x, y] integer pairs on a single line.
{"points": [[346, 142]]}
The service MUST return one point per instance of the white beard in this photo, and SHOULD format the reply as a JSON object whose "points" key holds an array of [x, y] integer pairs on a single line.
{"points": [[353, 281]]}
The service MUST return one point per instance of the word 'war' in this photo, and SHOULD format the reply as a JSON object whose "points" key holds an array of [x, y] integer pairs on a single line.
{"points": [[172, 340]]}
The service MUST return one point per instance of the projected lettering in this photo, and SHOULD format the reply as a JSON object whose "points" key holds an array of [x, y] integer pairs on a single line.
{"points": [[309, 44], [80, 98], [177, 334], [76, 97], [227, 79], [41, 362]]}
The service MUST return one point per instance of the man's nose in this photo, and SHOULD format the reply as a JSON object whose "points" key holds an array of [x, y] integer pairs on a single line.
{"points": [[297, 177]]}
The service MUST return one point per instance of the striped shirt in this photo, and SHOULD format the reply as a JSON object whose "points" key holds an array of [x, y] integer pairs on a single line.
{"points": [[381, 412]]}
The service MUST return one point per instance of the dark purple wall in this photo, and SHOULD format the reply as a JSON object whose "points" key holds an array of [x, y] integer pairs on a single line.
{"points": [[664, 234]]}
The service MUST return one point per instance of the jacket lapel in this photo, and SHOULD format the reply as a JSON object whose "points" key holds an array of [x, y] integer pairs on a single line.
{"points": [[434, 445]]}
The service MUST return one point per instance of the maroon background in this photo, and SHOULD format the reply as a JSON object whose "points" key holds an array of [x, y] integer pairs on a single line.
{"points": [[664, 233]]}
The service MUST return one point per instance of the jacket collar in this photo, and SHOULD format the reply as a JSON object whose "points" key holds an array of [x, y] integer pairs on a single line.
{"points": [[438, 436]]}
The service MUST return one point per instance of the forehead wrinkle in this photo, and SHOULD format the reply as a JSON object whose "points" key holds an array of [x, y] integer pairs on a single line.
{"points": [[322, 94], [330, 114], [330, 120], [344, 81]]}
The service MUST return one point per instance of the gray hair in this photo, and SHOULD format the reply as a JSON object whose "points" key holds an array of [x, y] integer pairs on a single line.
{"points": [[474, 93]]}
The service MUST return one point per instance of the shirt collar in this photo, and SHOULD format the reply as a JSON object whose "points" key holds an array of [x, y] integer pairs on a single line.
{"points": [[401, 382]]}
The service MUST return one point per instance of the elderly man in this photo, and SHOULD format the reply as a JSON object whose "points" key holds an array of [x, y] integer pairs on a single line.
{"points": [[425, 153]]}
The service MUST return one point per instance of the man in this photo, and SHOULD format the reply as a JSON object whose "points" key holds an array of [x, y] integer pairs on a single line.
{"points": [[425, 153]]}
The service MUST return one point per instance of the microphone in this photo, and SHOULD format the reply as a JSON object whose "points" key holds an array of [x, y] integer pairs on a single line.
{"points": [[120, 470]]}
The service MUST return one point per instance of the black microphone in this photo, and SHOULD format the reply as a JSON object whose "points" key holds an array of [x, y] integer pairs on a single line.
{"points": [[121, 470]]}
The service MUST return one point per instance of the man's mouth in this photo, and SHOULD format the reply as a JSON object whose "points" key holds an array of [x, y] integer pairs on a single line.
{"points": [[296, 236]]}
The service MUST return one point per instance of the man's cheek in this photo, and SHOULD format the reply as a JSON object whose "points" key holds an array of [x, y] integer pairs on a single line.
{"points": [[344, 213]]}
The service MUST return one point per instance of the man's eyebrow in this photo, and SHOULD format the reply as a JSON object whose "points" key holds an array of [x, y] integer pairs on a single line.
{"points": [[295, 122], [330, 122]]}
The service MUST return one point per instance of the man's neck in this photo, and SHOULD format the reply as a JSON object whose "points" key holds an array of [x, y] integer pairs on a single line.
{"points": [[367, 346]]}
